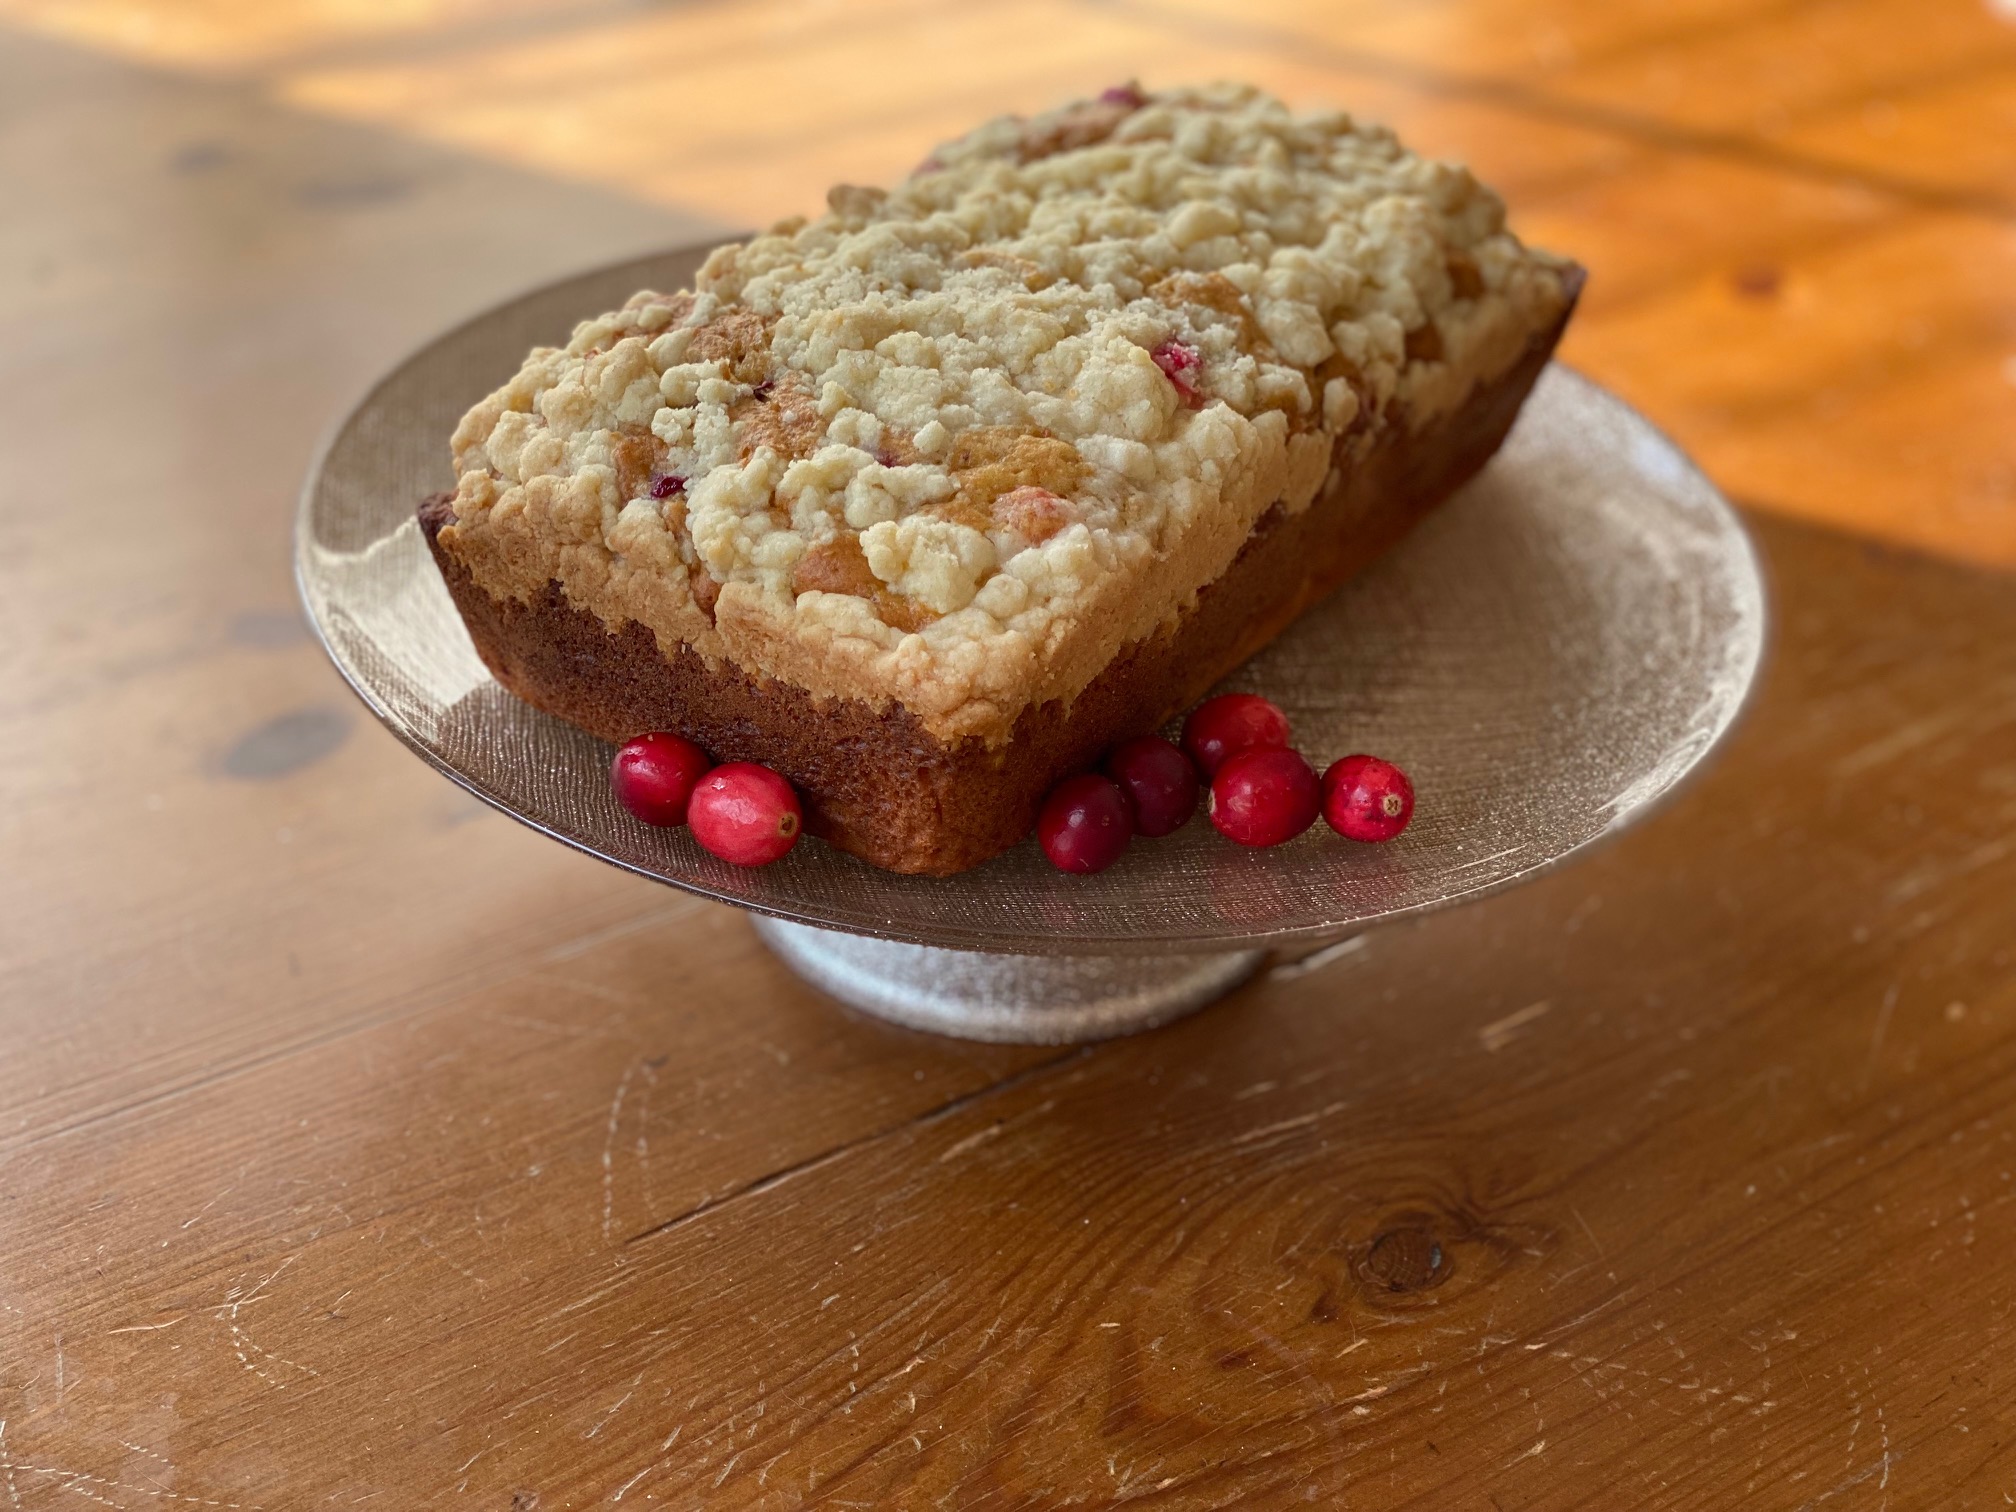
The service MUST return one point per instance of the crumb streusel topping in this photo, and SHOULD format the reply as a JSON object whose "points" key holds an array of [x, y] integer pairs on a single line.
{"points": [[959, 443]]}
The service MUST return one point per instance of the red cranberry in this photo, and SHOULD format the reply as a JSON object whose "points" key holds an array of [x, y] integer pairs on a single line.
{"points": [[1367, 799], [1123, 94], [745, 813], [1265, 796], [1181, 364], [654, 776], [1159, 782], [667, 484], [1085, 824], [1224, 726]]}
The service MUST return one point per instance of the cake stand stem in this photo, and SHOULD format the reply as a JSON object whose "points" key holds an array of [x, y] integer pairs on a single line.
{"points": [[1024, 999]]}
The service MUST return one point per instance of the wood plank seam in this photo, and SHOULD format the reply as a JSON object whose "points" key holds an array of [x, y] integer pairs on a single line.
{"points": [[949, 1109]]}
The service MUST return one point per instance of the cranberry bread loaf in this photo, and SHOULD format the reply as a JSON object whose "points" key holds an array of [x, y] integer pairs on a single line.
{"points": [[926, 502]]}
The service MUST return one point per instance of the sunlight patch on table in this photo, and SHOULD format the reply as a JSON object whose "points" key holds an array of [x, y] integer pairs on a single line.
{"points": [[207, 34]]}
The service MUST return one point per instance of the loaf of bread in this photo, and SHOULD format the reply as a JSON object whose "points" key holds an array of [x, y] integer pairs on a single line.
{"points": [[926, 502]]}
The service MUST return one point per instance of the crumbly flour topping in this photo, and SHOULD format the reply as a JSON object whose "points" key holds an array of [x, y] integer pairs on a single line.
{"points": [[958, 443]]}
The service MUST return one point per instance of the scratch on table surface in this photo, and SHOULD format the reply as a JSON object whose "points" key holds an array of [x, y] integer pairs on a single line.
{"points": [[463, 1484], [589, 1299], [523, 1402], [972, 1141], [1317, 959], [439, 1254], [1819, 1146], [1900, 742], [1589, 1231], [6, 1459], [650, 1070], [580, 945], [186, 1222], [615, 1407], [1538, 1448], [71, 1478], [1299, 1366], [1673, 1344], [609, 1153], [728, 1468], [1847, 1485], [60, 1387], [242, 1341], [144, 1327], [601, 992], [633, 1481], [1938, 873], [1884, 1433], [1301, 1121], [141, 1449], [1577, 1321], [1595, 1362], [883, 1326], [658, 1462], [1584, 911], [1497, 1034], [526, 1021], [1883, 1015], [264, 1282]]}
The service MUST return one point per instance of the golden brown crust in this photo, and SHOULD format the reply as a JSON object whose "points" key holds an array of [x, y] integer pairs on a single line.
{"points": [[739, 340], [638, 457], [1085, 124], [1032, 514], [1214, 291], [840, 566], [991, 460], [780, 413]]}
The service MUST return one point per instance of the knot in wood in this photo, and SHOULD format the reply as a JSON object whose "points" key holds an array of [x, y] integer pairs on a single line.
{"points": [[1757, 281], [1406, 1260]]}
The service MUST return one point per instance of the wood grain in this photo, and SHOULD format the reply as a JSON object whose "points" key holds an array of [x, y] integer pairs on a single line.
{"points": [[358, 1146]]}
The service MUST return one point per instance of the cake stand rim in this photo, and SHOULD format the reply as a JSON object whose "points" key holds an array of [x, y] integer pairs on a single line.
{"points": [[953, 938]]}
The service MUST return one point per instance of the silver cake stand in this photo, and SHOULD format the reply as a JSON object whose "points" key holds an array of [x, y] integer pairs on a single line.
{"points": [[1551, 653]]}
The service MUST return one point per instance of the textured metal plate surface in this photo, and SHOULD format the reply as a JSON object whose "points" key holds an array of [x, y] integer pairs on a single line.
{"points": [[1547, 656]]}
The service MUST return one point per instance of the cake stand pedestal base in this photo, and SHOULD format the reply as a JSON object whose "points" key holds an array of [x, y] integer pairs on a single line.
{"points": [[1021, 999]]}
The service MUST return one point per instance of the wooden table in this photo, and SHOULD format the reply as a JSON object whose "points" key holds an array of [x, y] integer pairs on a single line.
{"points": [[359, 1146]]}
